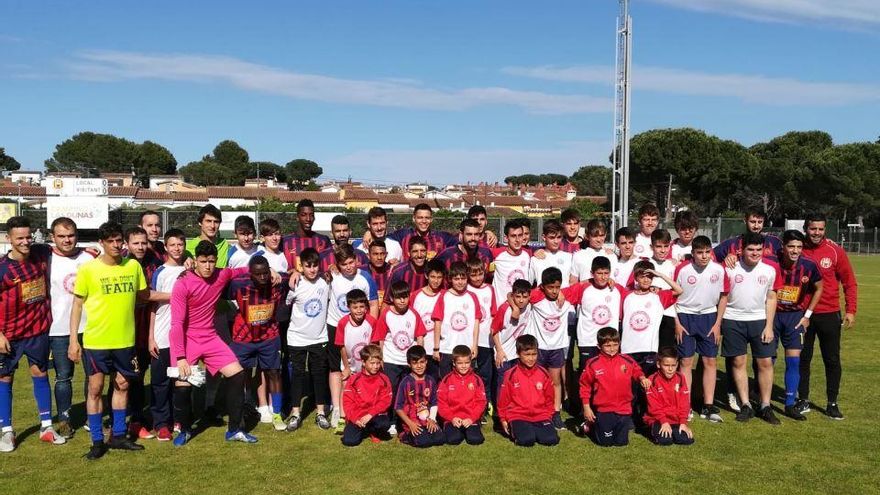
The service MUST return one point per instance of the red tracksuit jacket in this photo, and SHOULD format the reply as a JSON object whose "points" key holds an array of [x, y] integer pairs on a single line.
{"points": [[669, 400], [461, 396], [606, 383], [366, 394], [835, 269], [526, 395]]}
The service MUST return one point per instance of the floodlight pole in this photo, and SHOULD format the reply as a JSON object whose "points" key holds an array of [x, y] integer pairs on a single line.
{"points": [[620, 152]]}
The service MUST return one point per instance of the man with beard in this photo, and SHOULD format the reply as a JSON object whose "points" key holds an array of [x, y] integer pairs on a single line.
{"points": [[340, 228], [377, 230], [469, 247]]}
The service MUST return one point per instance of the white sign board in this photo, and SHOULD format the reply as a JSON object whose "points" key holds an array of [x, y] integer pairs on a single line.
{"points": [[77, 187], [88, 213]]}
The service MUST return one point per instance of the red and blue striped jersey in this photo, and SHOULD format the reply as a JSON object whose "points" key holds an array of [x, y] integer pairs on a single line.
{"points": [[798, 285], [150, 263], [158, 249], [327, 258], [255, 320], [293, 244], [452, 254], [382, 277], [24, 294], [772, 245], [416, 398], [416, 279], [436, 240]]}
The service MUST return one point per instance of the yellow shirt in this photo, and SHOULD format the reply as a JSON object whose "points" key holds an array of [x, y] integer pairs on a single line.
{"points": [[110, 293]]}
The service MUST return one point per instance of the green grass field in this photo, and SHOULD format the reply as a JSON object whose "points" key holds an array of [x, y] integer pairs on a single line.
{"points": [[816, 456]]}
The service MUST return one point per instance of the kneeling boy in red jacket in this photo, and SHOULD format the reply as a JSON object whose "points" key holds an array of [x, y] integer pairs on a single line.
{"points": [[526, 403], [366, 399], [461, 400], [669, 402]]}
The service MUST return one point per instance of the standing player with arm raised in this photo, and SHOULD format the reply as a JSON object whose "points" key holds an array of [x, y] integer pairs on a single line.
{"points": [[748, 322], [825, 323], [24, 328], [487, 237], [66, 259], [377, 229], [108, 288], [340, 228]]}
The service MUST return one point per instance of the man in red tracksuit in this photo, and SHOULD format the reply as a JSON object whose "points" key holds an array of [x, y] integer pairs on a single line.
{"points": [[461, 400], [526, 401], [669, 402], [606, 386], [366, 399], [825, 323]]}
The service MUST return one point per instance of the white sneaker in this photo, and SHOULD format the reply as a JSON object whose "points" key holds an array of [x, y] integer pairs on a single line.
{"points": [[733, 402], [7, 441], [392, 430], [334, 417], [265, 415], [49, 435]]}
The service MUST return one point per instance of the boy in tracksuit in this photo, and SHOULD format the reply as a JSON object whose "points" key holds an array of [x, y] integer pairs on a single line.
{"points": [[669, 402], [366, 399], [606, 390], [525, 404], [461, 400]]}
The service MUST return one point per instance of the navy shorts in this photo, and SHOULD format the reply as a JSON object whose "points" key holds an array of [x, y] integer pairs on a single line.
{"points": [[266, 354], [551, 358], [106, 361], [35, 348], [699, 338], [738, 336], [786, 329]]}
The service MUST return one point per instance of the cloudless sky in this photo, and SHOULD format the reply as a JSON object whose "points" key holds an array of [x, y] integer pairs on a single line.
{"points": [[415, 90]]}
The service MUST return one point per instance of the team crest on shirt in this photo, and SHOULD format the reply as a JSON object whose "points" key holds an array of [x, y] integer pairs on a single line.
{"points": [[514, 276], [677, 387], [470, 386], [539, 386], [601, 315], [825, 263], [739, 278], [427, 392], [762, 280], [519, 330], [356, 352], [623, 368], [805, 279], [692, 280], [714, 278], [134, 365], [458, 321], [427, 321], [552, 324], [313, 307], [341, 303], [68, 282], [639, 321], [402, 340], [640, 249]]}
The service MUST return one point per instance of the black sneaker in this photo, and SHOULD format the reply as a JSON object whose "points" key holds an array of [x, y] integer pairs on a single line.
{"points": [[711, 413], [802, 406], [97, 451], [793, 413], [766, 413], [833, 411], [745, 413], [557, 422], [123, 443]]}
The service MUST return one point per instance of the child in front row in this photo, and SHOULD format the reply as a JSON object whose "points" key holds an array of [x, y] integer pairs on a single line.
{"points": [[526, 398], [416, 402], [508, 324], [456, 318], [606, 391], [366, 399], [669, 402], [461, 400]]}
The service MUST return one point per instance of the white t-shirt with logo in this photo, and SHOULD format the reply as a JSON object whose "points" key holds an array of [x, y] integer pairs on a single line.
{"points": [[749, 286], [702, 289], [679, 252], [341, 286], [560, 259], [642, 248], [62, 277], [666, 267], [308, 303], [622, 270], [582, 262], [457, 314], [549, 324], [354, 338], [488, 307], [642, 313], [509, 331], [508, 269], [163, 280], [239, 258], [598, 308], [423, 305], [396, 333]]}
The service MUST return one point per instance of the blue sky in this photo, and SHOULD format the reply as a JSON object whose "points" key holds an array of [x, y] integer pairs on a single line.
{"points": [[439, 91]]}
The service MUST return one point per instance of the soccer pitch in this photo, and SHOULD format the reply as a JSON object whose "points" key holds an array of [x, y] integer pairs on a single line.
{"points": [[816, 456]]}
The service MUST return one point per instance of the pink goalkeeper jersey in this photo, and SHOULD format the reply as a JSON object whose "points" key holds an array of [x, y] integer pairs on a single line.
{"points": [[193, 305]]}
